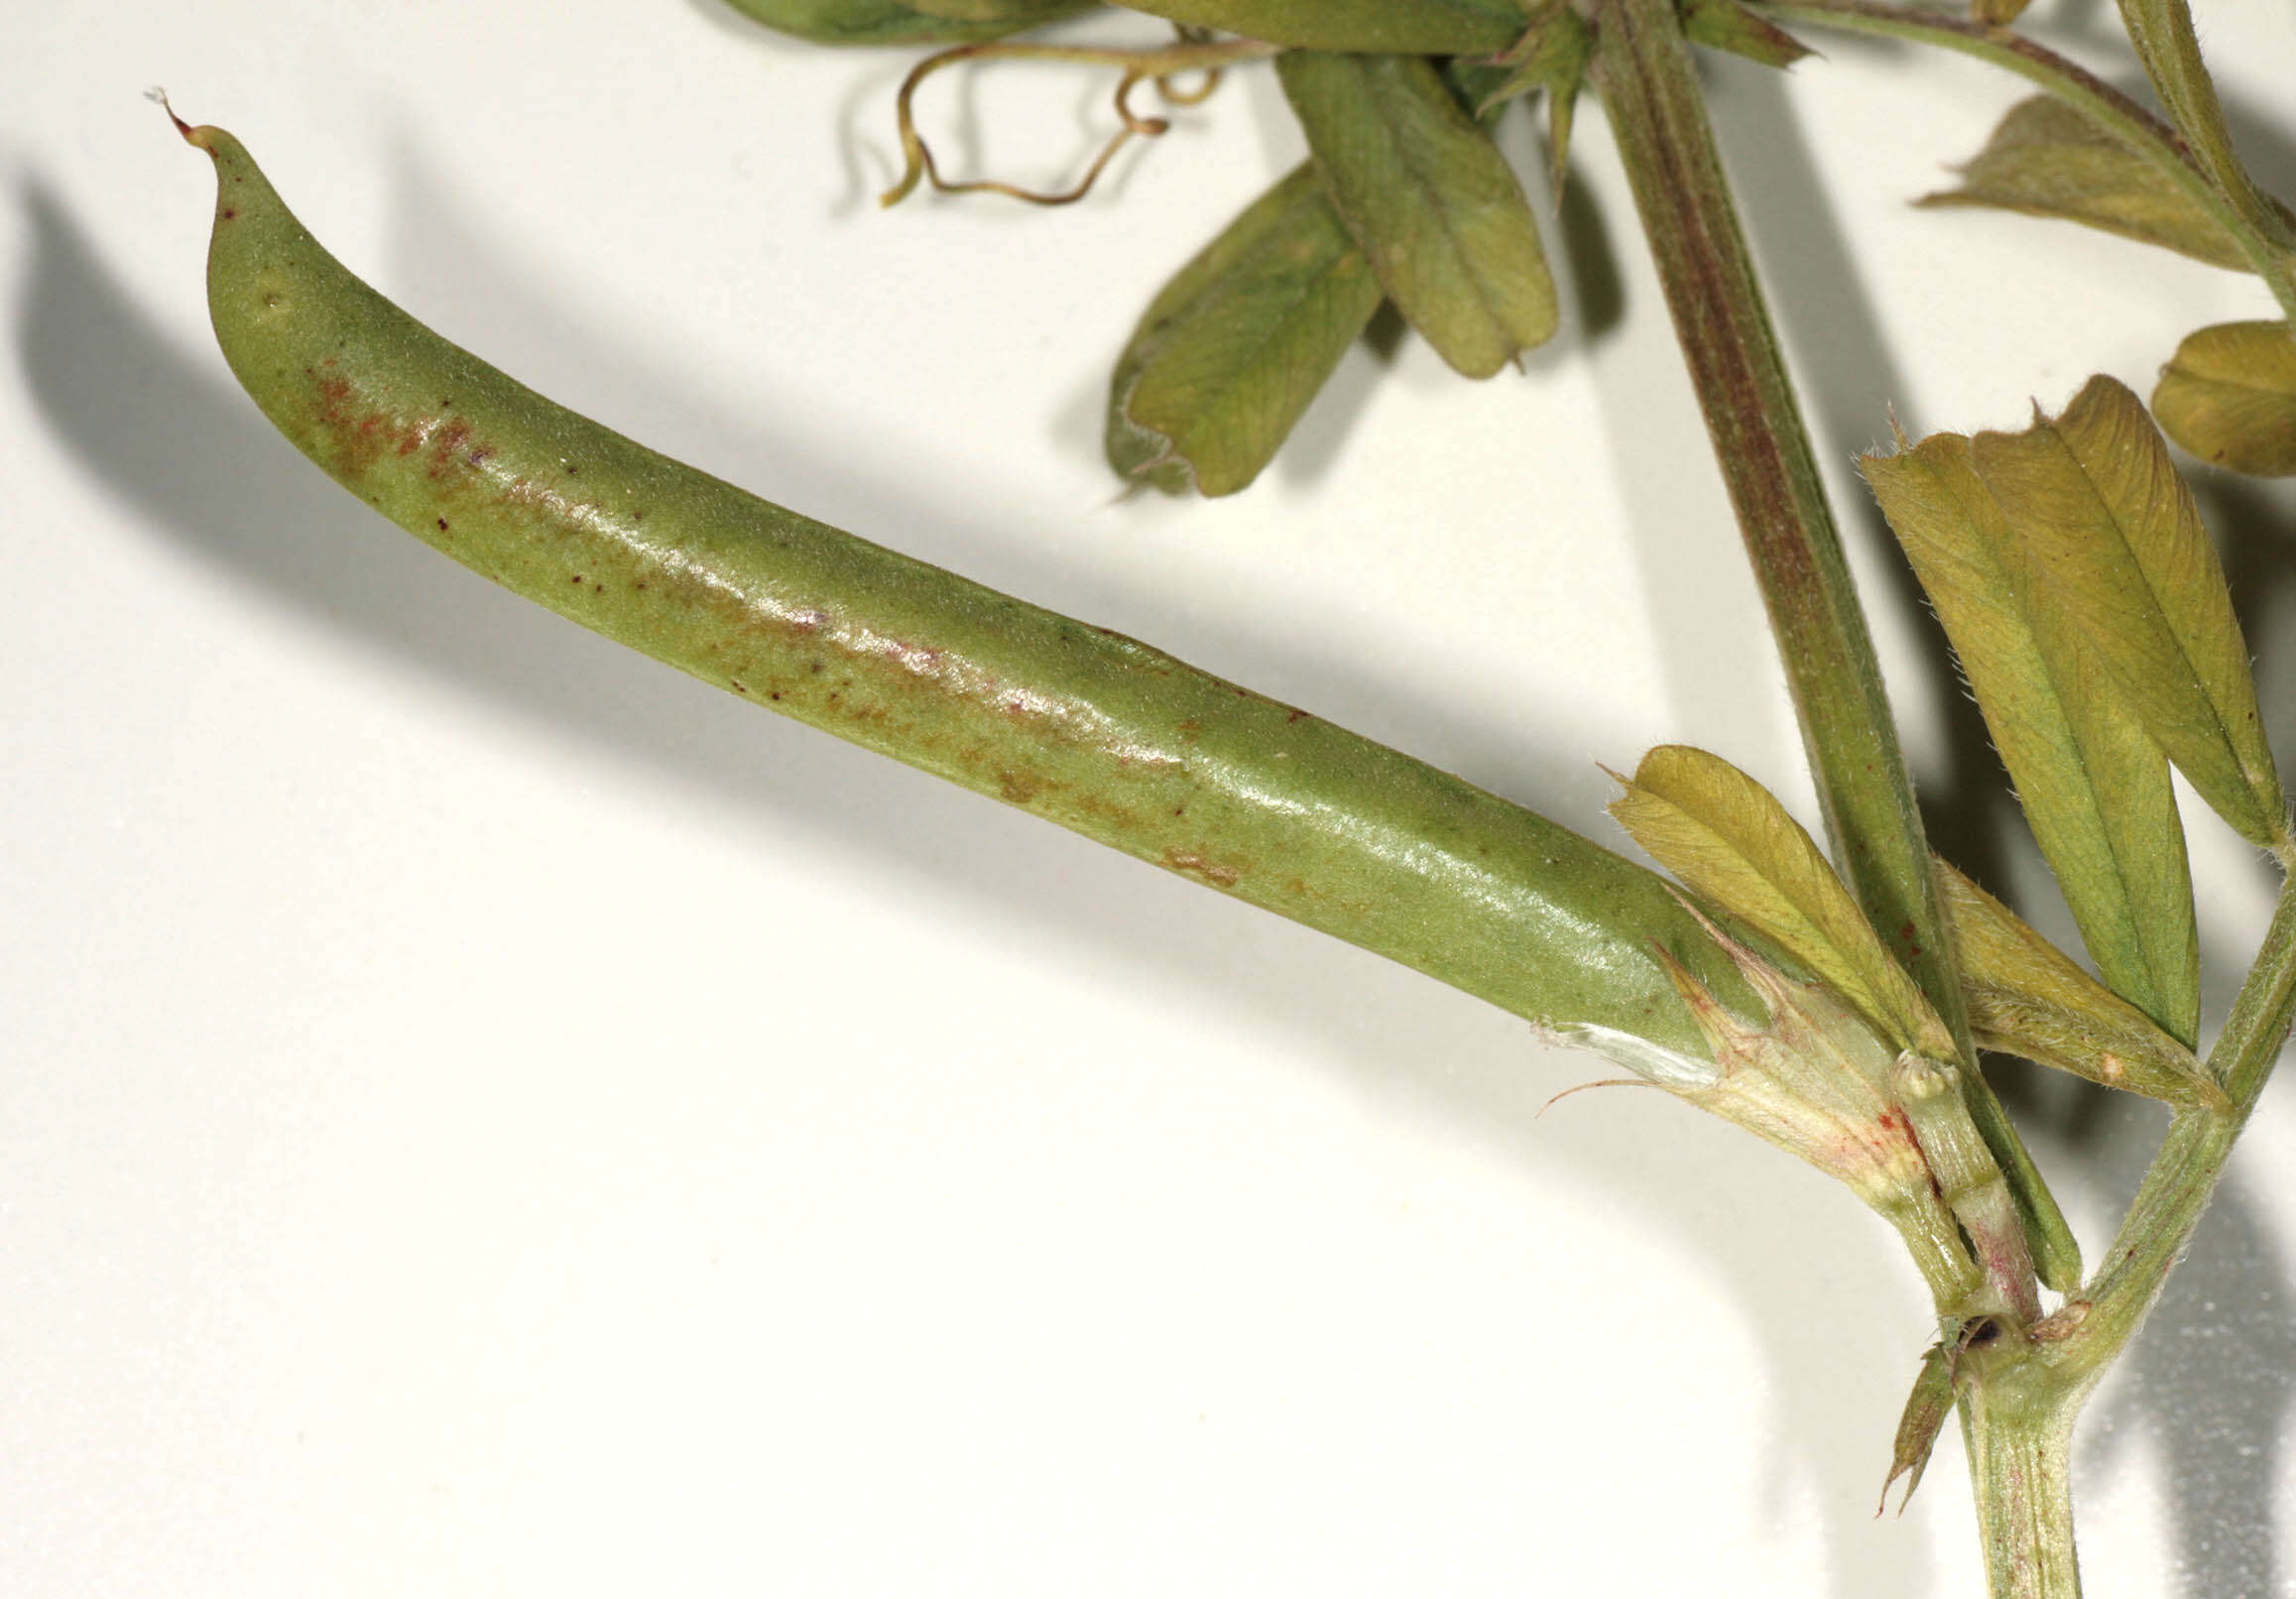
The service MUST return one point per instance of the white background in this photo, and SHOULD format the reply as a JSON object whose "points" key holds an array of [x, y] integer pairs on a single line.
{"points": [[482, 1114]]}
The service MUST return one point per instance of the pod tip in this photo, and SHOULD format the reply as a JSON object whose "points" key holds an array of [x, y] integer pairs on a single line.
{"points": [[195, 137], [158, 97]]}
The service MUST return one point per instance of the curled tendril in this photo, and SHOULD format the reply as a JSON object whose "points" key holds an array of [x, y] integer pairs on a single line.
{"points": [[1172, 95], [1192, 54]]}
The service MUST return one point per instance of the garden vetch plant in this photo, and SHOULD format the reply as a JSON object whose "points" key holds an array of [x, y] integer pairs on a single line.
{"points": [[1833, 997]]}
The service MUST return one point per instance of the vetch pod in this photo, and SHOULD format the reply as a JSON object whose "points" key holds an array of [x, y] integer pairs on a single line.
{"points": [[1076, 724]]}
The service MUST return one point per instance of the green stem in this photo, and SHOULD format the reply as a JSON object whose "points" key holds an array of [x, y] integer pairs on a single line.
{"points": [[2191, 1160], [1933, 1240], [1642, 69], [2021, 1468], [2162, 32], [2019, 1402], [2064, 80], [1969, 1181], [2021, 1395]]}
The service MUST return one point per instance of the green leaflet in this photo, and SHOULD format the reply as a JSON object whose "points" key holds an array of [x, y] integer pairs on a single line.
{"points": [[1227, 357], [2114, 532], [2229, 397], [1729, 839], [1727, 25], [1401, 26], [2048, 159], [2093, 786], [920, 21], [1430, 201], [2027, 998]]}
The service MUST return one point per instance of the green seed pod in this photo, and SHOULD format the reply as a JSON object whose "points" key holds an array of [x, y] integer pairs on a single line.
{"points": [[1076, 724]]}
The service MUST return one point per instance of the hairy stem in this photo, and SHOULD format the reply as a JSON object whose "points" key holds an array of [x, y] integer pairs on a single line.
{"points": [[2162, 32], [2021, 1468], [2022, 1393], [2191, 1160], [1642, 69]]}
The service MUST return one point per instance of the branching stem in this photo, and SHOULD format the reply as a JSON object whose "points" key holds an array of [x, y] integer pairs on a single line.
{"points": [[1657, 114], [2191, 1160]]}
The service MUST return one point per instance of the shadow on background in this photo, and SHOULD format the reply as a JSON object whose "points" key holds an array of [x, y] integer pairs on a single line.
{"points": [[221, 491], [1598, 289]]}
